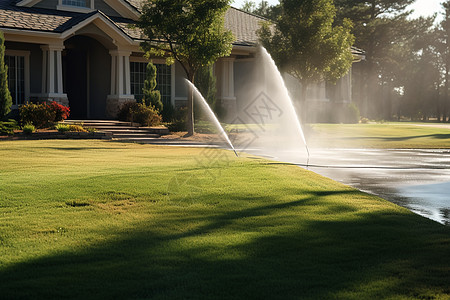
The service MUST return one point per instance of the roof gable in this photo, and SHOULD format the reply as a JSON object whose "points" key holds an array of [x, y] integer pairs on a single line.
{"points": [[242, 24], [122, 7]]}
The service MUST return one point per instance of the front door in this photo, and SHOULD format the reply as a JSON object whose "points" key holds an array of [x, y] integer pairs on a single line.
{"points": [[75, 62]]}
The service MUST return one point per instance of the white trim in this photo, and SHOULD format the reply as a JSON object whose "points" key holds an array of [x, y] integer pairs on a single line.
{"points": [[113, 74], [28, 3], [26, 55], [44, 71], [51, 74], [59, 71], [101, 22], [145, 60], [172, 88], [124, 9], [127, 76], [72, 8], [120, 77]]}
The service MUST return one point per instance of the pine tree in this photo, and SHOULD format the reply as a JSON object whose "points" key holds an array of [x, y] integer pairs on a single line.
{"points": [[5, 95], [151, 97]]}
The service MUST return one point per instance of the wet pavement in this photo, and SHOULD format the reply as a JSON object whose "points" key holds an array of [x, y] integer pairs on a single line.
{"points": [[416, 179]]}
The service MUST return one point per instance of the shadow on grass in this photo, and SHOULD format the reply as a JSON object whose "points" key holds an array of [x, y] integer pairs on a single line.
{"points": [[260, 252]]}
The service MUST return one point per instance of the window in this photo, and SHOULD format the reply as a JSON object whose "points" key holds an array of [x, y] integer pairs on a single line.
{"points": [[77, 3], [163, 80], [16, 78]]}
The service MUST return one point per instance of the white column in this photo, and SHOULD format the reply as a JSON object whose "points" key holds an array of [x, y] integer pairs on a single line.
{"points": [[120, 81], [113, 73], [44, 71], [127, 76], [52, 76], [59, 72], [120, 73], [228, 78], [227, 97], [51, 72]]}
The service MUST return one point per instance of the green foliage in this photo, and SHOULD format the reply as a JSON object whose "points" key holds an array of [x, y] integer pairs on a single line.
{"points": [[305, 43], [28, 128], [383, 29], [5, 95], [62, 127], [178, 123], [351, 114], [168, 113], [191, 32], [77, 128], [40, 115], [43, 115], [8, 127], [263, 9], [151, 97], [206, 84], [140, 113]]}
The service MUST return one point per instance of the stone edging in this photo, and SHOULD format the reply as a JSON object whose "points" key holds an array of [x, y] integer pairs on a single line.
{"points": [[58, 135]]}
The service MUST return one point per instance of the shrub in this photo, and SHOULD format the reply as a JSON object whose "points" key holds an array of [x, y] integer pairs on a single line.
{"points": [[351, 114], [62, 127], [168, 113], [61, 112], [152, 97], [8, 127], [44, 114], [364, 121], [140, 113], [28, 128], [179, 120], [77, 128], [5, 95], [40, 115]]}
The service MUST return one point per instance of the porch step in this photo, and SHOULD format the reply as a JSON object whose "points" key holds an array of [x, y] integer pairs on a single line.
{"points": [[123, 130]]}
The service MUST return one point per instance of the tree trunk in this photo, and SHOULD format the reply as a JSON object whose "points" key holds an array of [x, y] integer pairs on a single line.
{"points": [[190, 107]]}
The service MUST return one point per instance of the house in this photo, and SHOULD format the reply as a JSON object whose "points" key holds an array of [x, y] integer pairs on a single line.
{"points": [[84, 54]]}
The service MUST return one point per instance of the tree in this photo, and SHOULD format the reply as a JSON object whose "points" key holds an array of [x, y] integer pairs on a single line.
{"points": [[5, 95], [379, 26], [444, 49], [188, 31], [263, 9], [248, 6], [305, 44], [206, 83], [151, 97]]}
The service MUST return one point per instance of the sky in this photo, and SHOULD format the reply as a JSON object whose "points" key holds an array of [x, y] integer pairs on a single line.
{"points": [[421, 7]]}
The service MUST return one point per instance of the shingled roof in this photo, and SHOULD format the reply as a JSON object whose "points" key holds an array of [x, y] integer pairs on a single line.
{"points": [[242, 24]]}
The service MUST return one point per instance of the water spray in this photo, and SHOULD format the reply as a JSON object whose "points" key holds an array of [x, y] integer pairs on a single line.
{"points": [[307, 159], [292, 110], [208, 109]]}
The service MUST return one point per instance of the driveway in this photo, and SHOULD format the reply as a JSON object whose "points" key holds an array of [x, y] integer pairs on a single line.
{"points": [[416, 179]]}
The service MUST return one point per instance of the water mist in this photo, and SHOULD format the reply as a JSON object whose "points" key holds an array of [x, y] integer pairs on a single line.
{"points": [[286, 96], [211, 114], [267, 122]]}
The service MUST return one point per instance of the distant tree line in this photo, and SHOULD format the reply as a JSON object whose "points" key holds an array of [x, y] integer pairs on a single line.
{"points": [[407, 67]]}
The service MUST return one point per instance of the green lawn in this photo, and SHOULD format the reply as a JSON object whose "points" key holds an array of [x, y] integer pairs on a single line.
{"points": [[106, 220], [387, 135]]}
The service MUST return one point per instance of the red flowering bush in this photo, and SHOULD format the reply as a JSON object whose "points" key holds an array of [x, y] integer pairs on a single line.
{"points": [[44, 114], [61, 112]]}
